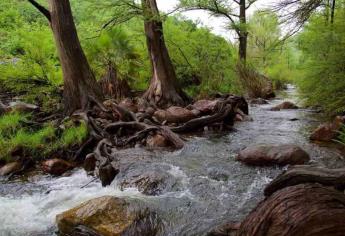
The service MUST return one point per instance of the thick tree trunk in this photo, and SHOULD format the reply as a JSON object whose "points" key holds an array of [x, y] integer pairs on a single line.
{"points": [[164, 90], [243, 34], [79, 81]]}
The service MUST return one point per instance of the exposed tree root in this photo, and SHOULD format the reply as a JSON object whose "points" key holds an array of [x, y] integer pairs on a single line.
{"points": [[114, 127], [307, 174]]}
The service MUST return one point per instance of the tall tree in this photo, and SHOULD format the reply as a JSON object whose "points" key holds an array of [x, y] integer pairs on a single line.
{"points": [[164, 89], [79, 81], [233, 10]]}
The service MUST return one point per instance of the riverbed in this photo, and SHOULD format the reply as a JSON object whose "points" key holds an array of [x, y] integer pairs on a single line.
{"points": [[204, 185]]}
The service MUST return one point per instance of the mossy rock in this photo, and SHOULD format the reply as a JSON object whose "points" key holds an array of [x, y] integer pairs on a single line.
{"points": [[108, 216]]}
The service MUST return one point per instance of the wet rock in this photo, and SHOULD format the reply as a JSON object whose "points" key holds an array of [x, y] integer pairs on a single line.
{"points": [[157, 141], [327, 132], [11, 168], [284, 106], [107, 173], [56, 166], [264, 155], [150, 182], [174, 115], [108, 216], [259, 101], [301, 210], [90, 163], [22, 107], [149, 178], [129, 104], [205, 106], [218, 173]]}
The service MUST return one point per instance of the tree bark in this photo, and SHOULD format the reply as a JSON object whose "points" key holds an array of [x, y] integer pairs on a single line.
{"points": [[243, 34], [307, 174], [79, 81], [332, 11], [164, 89]]}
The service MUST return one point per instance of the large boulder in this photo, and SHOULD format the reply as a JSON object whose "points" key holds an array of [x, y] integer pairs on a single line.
{"points": [[11, 168], [301, 210], [264, 155], [56, 166], [327, 132], [108, 216], [284, 106], [174, 115]]}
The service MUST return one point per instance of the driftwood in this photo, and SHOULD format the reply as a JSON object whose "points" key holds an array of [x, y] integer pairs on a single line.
{"points": [[201, 122], [307, 174], [300, 210]]}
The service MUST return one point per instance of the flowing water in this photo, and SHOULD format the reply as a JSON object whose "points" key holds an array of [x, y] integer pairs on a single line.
{"points": [[203, 185]]}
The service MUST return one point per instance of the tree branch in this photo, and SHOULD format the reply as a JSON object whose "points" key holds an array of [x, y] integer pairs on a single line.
{"points": [[41, 9]]}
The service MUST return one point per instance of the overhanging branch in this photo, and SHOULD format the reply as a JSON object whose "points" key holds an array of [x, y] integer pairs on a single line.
{"points": [[41, 9]]}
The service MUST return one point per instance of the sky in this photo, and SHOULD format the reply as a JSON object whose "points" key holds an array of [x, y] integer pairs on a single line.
{"points": [[218, 25]]}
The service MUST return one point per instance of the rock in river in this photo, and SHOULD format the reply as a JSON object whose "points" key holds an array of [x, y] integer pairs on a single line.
{"points": [[108, 216], [284, 106], [56, 166], [327, 132], [264, 155]]}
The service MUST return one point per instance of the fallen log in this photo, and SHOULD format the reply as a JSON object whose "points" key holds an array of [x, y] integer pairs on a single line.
{"points": [[307, 174]]}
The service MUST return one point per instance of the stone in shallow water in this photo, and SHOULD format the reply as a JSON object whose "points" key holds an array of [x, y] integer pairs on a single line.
{"points": [[284, 106], [108, 216], [56, 166], [264, 155]]}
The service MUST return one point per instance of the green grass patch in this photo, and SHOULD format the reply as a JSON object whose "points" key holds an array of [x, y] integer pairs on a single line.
{"points": [[36, 143]]}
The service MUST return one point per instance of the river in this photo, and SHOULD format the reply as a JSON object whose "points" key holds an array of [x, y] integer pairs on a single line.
{"points": [[203, 184]]}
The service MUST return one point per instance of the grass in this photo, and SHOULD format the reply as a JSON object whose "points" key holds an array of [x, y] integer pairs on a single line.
{"points": [[38, 143], [341, 137]]}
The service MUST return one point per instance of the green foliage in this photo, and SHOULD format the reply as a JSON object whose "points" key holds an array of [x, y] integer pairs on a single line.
{"points": [[37, 143], [341, 136], [322, 64], [73, 135], [267, 52]]}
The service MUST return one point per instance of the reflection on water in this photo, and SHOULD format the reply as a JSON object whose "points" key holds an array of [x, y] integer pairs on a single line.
{"points": [[205, 187]]}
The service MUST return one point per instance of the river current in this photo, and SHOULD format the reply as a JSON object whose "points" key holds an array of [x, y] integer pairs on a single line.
{"points": [[204, 185]]}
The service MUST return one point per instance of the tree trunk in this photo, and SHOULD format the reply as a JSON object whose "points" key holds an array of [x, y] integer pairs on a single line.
{"points": [[79, 81], [164, 89], [332, 11], [243, 34]]}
